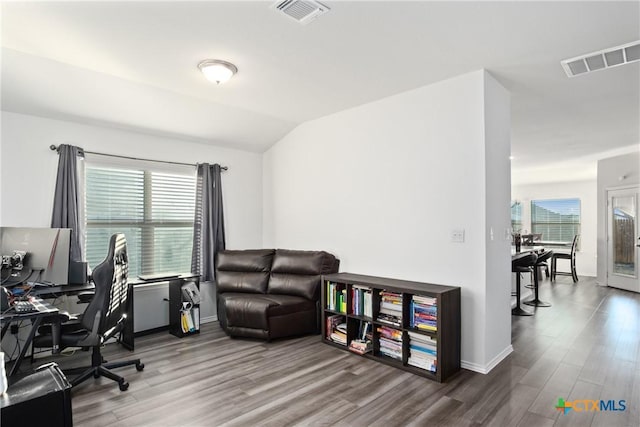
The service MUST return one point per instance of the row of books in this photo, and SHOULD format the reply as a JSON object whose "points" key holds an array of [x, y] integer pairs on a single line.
{"points": [[423, 313], [336, 297], [190, 320], [390, 342], [423, 351], [390, 308], [361, 302], [336, 329]]}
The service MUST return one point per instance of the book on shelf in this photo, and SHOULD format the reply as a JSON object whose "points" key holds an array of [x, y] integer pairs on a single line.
{"points": [[338, 337], [389, 333], [423, 312], [390, 310], [331, 324], [423, 363], [423, 351], [422, 339], [336, 297], [360, 346], [361, 300], [187, 323]]}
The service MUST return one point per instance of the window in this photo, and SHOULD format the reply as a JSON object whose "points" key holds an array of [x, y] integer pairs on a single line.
{"points": [[516, 216], [557, 220], [154, 210]]}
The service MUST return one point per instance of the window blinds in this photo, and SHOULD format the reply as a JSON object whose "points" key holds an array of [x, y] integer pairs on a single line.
{"points": [[558, 220], [153, 209]]}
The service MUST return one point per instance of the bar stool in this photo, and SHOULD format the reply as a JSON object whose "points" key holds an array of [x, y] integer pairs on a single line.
{"points": [[522, 264], [541, 262]]}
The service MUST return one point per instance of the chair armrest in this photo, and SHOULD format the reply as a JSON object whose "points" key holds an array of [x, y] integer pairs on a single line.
{"points": [[85, 297]]}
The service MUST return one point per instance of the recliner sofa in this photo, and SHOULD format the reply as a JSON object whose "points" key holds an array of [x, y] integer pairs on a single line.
{"points": [[271, 293]]}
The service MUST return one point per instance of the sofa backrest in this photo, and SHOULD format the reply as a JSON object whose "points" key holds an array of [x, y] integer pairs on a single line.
{"points": [[298, 272], [243, 271]]}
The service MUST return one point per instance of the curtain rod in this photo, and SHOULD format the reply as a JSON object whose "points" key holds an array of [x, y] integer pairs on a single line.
{"points": [[54, 148]]}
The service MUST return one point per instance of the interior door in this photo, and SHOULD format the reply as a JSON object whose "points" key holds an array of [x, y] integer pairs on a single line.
{"points": [[623, 239]]}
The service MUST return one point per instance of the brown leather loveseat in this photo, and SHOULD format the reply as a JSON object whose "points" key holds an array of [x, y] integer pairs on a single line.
{"points": [[270, 293]]}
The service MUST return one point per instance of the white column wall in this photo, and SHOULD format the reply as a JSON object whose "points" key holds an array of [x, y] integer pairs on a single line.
{"points": [[384, 184]]}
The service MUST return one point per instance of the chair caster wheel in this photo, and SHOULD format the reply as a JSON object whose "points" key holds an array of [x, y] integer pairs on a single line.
{"points": [[123, 386], [139, 366], [96, 374]]}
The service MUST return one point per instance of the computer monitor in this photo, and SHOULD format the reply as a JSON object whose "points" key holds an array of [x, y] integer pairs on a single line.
{"points": [[47, 250]]}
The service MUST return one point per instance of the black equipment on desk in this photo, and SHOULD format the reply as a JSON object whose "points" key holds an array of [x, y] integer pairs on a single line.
{"points": [[40, 399]]}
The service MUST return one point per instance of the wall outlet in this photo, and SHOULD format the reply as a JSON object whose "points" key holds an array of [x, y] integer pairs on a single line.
{"points": [[457, 235]]}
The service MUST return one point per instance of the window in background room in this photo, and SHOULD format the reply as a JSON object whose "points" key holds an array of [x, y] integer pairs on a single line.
{"points": [[516, 216], [154, 210], [557, 220]]}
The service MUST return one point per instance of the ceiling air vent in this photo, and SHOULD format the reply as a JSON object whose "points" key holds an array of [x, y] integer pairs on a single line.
{"points": [[302, 11], [603, 59]]}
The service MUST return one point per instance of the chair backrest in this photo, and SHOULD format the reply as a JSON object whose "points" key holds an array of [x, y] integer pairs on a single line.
{"points": [[110, 278], [574, 245]]}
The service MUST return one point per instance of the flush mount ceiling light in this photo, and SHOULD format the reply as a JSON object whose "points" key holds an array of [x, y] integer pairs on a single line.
{"points": [[216, 70], [603, 59]]}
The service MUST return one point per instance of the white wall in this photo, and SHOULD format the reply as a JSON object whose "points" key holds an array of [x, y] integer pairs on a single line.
{"points": [[497, 110], [28, 170], [383, 185], [586, 191], [610, 172]]}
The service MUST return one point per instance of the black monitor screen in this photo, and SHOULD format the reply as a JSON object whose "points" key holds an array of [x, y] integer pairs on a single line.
{"points": [[47, 254]]}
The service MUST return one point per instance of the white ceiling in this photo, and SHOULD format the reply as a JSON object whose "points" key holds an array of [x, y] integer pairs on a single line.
{"points": [[133, 65]]}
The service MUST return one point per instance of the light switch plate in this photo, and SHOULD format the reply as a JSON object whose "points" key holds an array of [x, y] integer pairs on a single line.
{"points": [[457, 235]]}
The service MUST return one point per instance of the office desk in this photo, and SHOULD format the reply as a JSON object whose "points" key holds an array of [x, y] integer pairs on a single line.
{"points": [[45, 311], [56, 291]]}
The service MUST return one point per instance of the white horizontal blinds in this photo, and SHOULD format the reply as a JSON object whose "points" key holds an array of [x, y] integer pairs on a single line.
{"points": [[516, 216], [558, 220], [155, 211], [173, 199]]}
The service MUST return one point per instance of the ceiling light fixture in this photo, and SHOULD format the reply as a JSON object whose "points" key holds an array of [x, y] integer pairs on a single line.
{"points": [[216, 70]]}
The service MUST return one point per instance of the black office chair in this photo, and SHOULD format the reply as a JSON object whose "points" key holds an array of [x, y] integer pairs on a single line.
{"points": [[541, 262], [104, 317], [570, 256], [522, 263]]}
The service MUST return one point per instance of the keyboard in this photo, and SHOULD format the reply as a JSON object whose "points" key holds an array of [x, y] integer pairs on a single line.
{"points": [[158, 276], [24, 307]]}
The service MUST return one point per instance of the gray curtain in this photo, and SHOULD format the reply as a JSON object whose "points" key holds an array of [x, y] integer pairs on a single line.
{"points": [[208, 226], [67, 200]]}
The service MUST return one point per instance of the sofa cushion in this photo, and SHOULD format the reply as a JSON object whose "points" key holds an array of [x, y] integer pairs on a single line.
{"points": [[298, 272], [253, 311], [243, 271], [303, 262]]}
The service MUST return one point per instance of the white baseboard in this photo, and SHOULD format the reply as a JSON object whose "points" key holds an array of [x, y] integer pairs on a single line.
{"points": [[209, 319], [485, 369]]}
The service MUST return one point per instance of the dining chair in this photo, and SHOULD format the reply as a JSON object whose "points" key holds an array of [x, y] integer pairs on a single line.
{"points": [[572, 259]]}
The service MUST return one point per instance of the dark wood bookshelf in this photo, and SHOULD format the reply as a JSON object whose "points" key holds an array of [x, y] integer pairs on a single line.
{"points": [[175, 306], [448, 323]]}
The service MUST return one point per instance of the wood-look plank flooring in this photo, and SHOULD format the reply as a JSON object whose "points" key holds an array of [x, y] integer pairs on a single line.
{"points": [[586, 346]]}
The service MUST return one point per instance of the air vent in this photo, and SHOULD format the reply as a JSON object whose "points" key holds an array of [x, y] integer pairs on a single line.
{"points": [[603, 59], [302, 11]]}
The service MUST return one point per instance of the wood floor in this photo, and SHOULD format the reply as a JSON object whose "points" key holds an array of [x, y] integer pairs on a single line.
{"points": [[586, 346]]}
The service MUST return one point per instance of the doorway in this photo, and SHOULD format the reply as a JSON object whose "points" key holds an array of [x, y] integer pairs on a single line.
{"points": [[622, 239]]}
